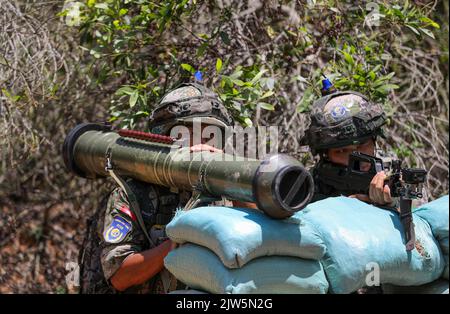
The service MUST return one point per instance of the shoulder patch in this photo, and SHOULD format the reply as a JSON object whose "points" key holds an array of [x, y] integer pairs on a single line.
{"points": [[117, 230]]}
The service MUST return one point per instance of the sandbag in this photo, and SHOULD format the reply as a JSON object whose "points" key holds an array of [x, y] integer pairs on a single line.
{"points": [[238, 235], [436, 214], [357, 234], [201, 269]]}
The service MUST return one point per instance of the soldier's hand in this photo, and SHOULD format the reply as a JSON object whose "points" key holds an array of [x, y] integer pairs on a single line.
{"points": [[204, 147], [379, 192]]}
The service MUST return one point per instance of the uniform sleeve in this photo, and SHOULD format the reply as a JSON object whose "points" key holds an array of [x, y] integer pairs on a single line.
{"points": [[119, 233]]}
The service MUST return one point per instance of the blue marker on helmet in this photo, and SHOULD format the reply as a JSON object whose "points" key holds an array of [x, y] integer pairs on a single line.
{"points": [[198, 76], [327, 87]]}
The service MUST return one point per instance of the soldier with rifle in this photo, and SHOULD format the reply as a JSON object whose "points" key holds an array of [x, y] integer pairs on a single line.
{"points": [[344, 129], [342, 123]]}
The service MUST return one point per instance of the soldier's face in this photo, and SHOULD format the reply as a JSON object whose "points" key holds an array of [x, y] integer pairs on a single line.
{"points": [[340, 155]]}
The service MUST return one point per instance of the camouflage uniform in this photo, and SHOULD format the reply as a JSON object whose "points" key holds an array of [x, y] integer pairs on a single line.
{"points": [[157, 206]]}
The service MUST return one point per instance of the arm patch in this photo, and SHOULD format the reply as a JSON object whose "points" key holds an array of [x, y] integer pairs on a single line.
{"points": [[117, 230]]}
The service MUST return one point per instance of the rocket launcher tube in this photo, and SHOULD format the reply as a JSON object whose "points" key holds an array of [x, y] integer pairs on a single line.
{"points": [[279, 184]]}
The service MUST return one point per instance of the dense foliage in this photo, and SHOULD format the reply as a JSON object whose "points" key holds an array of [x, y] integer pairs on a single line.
{"points": [[266, 59], [251, 52]]}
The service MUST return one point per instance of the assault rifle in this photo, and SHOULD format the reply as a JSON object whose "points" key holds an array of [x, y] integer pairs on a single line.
{"points": [[404, 183]]}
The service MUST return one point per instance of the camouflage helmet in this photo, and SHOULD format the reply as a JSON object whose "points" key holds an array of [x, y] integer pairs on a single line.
{"points": [[343, 118], [186, 102]]}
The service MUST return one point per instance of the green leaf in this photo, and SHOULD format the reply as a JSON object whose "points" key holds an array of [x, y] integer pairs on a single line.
{"points": [[142, 113], [376, 68], [126, 90], [384, 78], [248, 122], [258, 76], [388, 76], [123, 12], [427, 32], [384, 89], [236, 74], [201, 50], [143, 100], [133, 99], [348, 58], [270, 32], [225, 38], [237, 82], [102, 6], [413, 29], [397, 12], [266, 106], [203, 36], [430, 22], [218, 65], [188, 67], [267, 94], [6, 93]]}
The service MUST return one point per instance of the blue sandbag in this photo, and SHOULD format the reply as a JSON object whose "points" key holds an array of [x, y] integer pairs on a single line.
{"points": [[436, 214], [201, 269], [238, 235], [357, 234]]}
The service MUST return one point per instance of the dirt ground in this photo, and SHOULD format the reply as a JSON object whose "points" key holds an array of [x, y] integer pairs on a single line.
{"points": [[38, 242]]}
